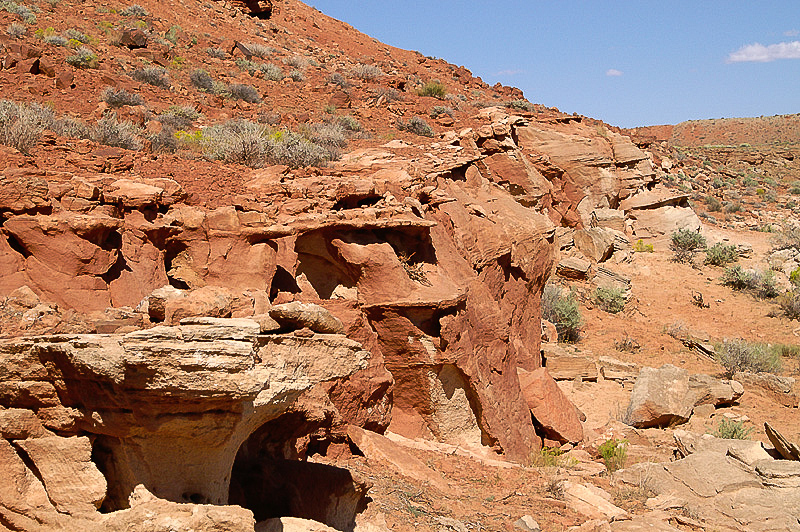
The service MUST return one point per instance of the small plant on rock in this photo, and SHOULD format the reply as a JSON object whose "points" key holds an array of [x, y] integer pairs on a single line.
{"points": [[732, 430], [521, 105], [247, 93], [217, 53], [614, 453], [685, 243], [737, 355], [441, 110], [610, 299], [562, 310], [134, 10]]}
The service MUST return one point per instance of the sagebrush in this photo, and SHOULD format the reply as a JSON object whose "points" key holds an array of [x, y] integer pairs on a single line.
{"points": [[561, 309]]}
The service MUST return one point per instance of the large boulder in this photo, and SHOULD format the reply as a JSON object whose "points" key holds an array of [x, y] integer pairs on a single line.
{"points": [[660, 397], [552, 410]]}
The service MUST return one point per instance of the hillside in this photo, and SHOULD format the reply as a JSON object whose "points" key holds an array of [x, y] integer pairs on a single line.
{"points": [[260, 271]]}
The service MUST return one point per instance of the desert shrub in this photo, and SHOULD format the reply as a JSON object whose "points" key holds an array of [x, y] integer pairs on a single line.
{"points": [[15, 29], [21, 125], [172, 34], [416, 125], [252, 144], [562, 311], [271, 72], [614, 453], [685, 243], [21, 10], [202, 80], [433, 89], [179, 117], [551, 457], [737, 355], [732, 207], [367, 72], [56, 40], [217, 53], [389, 94], [789, 304], [71, 127], [641, 247], [732, 430], [522, 105], [119, 97], [795, 189], [297, 62], [120, 134], [75, 35], [794, 277], [83, 58], [627, 344], [297, 76], [439, 110], [152, 75], [332, 137], [338, 80], [721, 254], [259, 50], [610, 299], [164, 141], [713, 204], [239, 91], [134, 10], [787, 237], [348, 122], [762, 284]]}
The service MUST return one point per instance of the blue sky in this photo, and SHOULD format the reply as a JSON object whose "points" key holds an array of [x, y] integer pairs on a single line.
{"points": [[628, 63]]}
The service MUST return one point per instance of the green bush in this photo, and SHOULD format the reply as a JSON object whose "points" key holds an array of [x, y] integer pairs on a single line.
{"points": [[119, 97], [260, 50], [789, 304], [562, 311], [247, 93], [21, 125], [134, 10], [21, 10], [641, 247], [732, 430], [713, 204], [155, 76], [614, 453], [610, 299], [367, 72], [254, 145], [74, 35], [338, 80], [217, 53], [348, 122], [83, 58], [685, 243], [721, 254], [433, 89], [297, 76], [417, 126], [439, 110], [762, 284], [794, 277], [71, 127], [16, 29], [737, 355], [111, 132], [522, 105], [179, 117], [56, 40]]}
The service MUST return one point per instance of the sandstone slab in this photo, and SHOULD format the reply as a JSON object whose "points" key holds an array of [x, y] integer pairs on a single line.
{"points": [[660, 397]]}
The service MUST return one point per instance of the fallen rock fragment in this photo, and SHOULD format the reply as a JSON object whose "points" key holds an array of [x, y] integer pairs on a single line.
{"points": [[660, 397], [299, 315], [787, 449], [551, 409]]}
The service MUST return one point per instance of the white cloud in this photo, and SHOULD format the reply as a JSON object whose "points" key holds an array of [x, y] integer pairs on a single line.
{"points": [[509, 72], [759, 53], [791, 33], [613, 72]]}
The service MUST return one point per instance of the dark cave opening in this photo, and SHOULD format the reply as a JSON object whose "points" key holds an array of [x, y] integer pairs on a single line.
{"points": [[269, 479]]}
